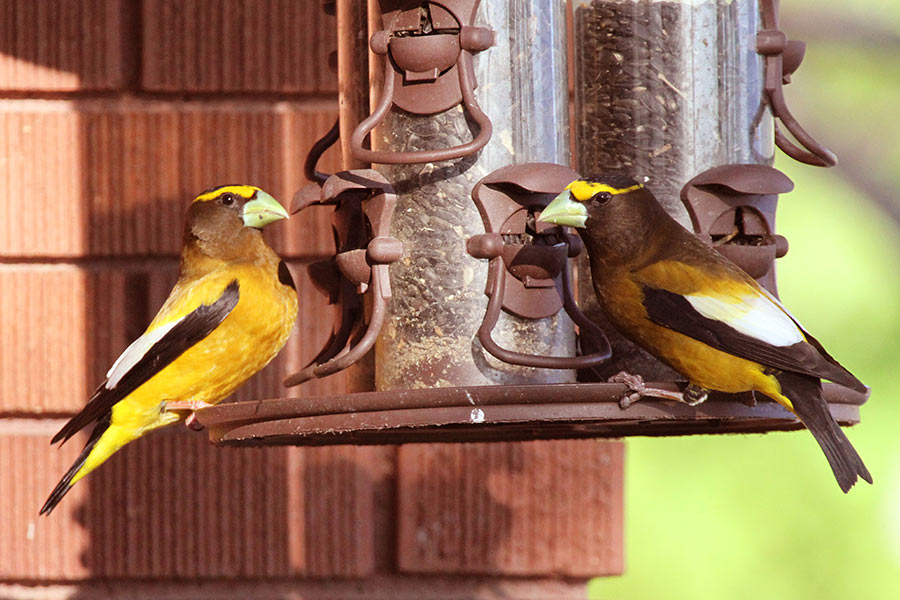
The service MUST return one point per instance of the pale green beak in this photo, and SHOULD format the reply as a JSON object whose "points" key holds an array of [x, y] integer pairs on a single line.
{"points": [[563, 210], [262, 210]]}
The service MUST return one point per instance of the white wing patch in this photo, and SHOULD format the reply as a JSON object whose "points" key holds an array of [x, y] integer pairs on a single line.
{"points": [[135, 352], [754, 315]]}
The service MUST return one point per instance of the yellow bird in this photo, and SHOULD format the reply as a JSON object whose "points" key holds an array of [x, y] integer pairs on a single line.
{"points": [[700, 313], [229, 314]]}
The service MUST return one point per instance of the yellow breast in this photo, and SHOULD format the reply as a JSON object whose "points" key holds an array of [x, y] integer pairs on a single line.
{"points": [[246, 341]]}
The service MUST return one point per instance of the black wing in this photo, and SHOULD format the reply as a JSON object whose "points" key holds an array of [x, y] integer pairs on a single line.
{"points": [[191, 329], [675, 312]]}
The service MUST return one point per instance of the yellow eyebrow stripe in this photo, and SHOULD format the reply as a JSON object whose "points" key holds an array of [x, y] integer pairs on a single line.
{"points": [[585, 190], [244, 191]]}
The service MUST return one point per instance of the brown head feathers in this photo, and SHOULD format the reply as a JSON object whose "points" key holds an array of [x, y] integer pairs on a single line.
{"points": [[215, 225]]}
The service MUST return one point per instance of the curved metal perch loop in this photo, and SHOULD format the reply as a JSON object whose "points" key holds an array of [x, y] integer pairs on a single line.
{"points": [[485, 129], [588, 327], [782, 57], [318, 149], [528, 272]]}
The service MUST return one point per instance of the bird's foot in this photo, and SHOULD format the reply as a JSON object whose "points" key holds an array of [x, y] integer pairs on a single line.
{"points": [[635, 384], [638, 389], [186, 405], [191, 422], [694, 395]]}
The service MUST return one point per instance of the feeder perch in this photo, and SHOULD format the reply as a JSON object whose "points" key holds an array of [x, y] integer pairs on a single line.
{"points": [[782, 58], [427, 70]]}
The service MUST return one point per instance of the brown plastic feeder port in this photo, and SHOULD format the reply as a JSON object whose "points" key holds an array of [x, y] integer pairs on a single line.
{"points": [[732, 207]]}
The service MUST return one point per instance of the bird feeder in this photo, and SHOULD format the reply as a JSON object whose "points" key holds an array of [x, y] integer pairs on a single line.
{"points": [[441, 271]]}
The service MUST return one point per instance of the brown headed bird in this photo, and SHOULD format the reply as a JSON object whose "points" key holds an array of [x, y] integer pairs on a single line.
{"points": [[698, 312], [229, 314]]}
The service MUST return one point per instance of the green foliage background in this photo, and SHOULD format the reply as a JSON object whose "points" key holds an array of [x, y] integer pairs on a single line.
{"points": [[760, 516]]}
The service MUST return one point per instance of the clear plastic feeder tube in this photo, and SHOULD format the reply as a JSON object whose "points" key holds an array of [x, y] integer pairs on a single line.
{"points": [[665, 89], [430, 337]]}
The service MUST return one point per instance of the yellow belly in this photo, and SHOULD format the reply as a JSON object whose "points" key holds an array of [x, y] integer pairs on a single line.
{"points": [[245, 342], [707, 367], [699, 363]]}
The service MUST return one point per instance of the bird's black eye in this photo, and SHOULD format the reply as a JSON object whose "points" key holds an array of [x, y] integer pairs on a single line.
{"points": [[602, 197], [227, 199]]}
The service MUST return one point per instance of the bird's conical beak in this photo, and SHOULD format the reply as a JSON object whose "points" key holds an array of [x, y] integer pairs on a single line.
{"points": [[563, 210], [262, 210]]}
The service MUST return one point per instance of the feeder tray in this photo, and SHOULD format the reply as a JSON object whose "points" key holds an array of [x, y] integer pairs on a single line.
{"points": [[498, 413]]}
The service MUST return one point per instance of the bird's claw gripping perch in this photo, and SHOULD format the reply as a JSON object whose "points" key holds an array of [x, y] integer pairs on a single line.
{"points": [[638, 389], [191, 422], [635, 385], [692, 395]]}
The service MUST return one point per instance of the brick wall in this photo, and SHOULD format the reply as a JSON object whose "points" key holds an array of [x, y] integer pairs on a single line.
{"points": [[113, 114]]}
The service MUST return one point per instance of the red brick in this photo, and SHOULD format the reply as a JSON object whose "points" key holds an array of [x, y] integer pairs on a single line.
{"points": [[32, 548], [65, 45], [106, 177], [535, 508], [237, 45], [44, 347], [172, 505], [62, 326], [39, 158]]}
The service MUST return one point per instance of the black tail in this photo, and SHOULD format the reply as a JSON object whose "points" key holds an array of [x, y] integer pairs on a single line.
{"points": [[805, 392], [64, 485]]}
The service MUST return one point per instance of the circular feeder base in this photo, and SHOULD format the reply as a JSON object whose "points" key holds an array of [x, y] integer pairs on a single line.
{"points": [[498, 413]]}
